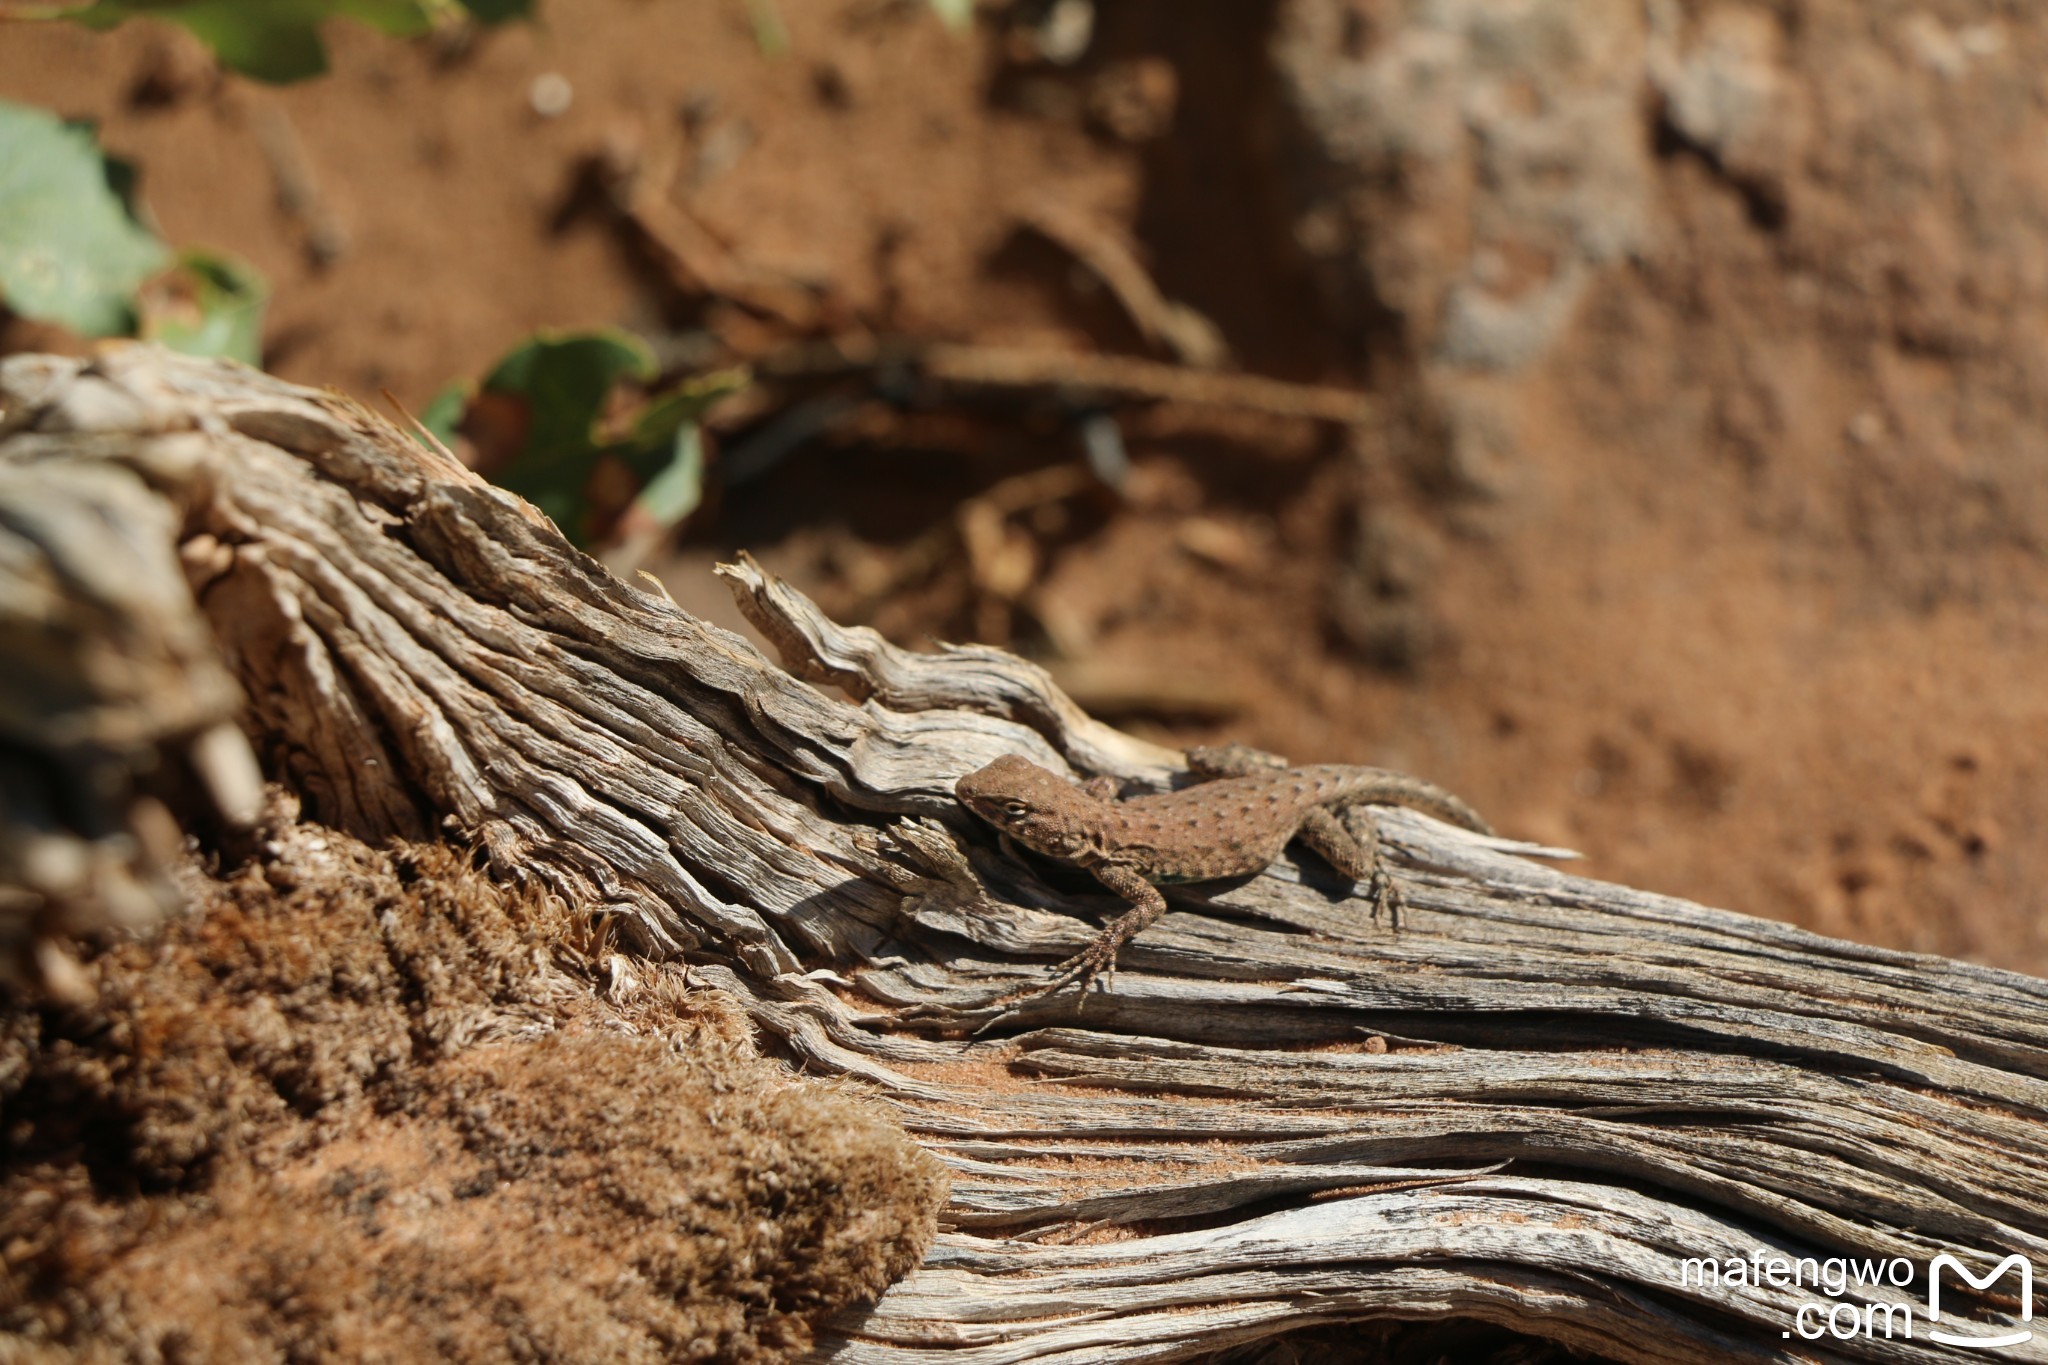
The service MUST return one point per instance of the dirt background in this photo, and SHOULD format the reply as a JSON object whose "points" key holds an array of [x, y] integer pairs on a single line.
{"points": [[1701, 527]]}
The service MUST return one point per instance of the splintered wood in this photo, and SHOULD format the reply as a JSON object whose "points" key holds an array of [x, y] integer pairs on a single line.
{"points": [[1543, 1101]]}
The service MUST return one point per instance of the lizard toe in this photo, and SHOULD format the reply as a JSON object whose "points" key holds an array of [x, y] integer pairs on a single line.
{"points": [[1385, 895]]}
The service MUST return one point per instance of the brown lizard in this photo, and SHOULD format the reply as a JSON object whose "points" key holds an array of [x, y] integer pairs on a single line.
{"points": [[1235, 824]]}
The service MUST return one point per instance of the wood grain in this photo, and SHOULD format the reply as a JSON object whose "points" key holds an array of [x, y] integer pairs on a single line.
{"points": [[1575, 1086]]}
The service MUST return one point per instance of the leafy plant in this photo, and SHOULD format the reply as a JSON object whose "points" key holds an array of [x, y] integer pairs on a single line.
{"points": [[74, 251], [71, 248], [279, 40], [771, 36], [549, 421], [955, 14], [207, 304]]}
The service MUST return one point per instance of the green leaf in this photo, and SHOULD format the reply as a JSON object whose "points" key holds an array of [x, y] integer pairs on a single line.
{"points": [[663, 417], [565, 380], [499, 11], [210, 304], [271, 40], [666, 449], [541, 417], [563, 383], [399, 18], [71, 250], [668, 453], [771, 35], [955, 14], [678, 488]]}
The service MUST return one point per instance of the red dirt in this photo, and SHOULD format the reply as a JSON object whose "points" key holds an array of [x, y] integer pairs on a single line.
{"points": [[1643, 659]]}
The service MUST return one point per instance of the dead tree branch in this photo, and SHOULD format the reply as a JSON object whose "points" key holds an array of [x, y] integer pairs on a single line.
{"points": [[1530, 1104]]}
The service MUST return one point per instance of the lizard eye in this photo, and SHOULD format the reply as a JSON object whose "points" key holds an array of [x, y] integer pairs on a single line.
{"points": [[1016, 810]]}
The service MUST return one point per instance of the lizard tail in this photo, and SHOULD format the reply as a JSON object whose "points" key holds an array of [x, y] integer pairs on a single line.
{"points": [[1382, 788]]}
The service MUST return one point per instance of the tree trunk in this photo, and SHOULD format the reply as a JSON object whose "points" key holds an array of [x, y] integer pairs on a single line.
{"points": [[1530, 1103]]}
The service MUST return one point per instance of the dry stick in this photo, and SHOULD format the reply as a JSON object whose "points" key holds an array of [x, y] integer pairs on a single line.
{"points": [[298, 189], [1192, 338], [1664, 1081], [697, 261], [1115, 378], [1133, 378], [924, 555]]}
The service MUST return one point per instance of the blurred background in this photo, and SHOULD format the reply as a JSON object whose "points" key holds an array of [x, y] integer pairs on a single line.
{"points": [[1631, 414]]}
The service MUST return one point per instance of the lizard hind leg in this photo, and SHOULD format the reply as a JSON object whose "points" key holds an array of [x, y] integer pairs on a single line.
{"points": [[1102, 788], [1354, 850]]}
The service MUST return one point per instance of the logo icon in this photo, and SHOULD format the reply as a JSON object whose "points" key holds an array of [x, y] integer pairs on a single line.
{"points": [[1990, 1276]]}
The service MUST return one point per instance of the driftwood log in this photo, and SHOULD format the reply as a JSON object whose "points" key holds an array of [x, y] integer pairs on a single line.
{"points": [[1531, 1104]]}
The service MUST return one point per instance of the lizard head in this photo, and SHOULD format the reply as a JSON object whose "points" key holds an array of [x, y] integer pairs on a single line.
{"points": [[1037, 808]]}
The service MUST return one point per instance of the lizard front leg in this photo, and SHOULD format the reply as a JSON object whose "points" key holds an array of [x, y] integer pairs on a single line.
{"points": [[1099, 957]]}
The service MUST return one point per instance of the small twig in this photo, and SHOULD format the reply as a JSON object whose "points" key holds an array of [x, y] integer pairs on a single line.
{"points": [[1103, 378], [1132, 378], [298, 191], [1167, 324], [696, 259], [924, 555]]}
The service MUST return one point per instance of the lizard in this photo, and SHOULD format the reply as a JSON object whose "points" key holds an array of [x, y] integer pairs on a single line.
{"points": [[1243, 812]]}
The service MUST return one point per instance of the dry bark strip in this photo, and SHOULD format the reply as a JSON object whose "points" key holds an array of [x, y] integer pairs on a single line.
{"points": [[1581, 1086]]}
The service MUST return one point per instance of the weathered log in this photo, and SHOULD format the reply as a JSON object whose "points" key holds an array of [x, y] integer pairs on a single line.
{"points": [[1531, 1103], [110, 682]]}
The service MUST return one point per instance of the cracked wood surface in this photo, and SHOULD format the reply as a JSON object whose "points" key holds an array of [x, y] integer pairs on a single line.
{"points": [[1529, 1104]]}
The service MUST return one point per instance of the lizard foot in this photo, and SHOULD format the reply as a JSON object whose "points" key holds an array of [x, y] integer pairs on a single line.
{"points": [[1097, 960], [1385, 895]]}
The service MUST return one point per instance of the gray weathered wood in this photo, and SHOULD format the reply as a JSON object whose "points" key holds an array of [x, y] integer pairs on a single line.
{"points": [[1580, 1086]]}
